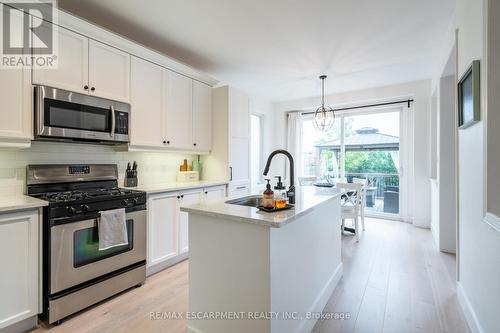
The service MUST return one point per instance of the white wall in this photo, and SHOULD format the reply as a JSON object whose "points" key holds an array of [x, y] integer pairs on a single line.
{"points": [[418, 176], [152, 167], [478, 243]]}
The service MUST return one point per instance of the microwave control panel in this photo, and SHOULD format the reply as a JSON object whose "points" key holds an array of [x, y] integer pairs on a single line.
{"points": [[121, 126]]}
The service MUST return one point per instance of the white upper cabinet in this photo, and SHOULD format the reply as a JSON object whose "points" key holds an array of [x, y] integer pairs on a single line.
{"points": [[169, 110], [89, 67], [202, 116], [109, 72], [15, 94], [179, 111], [147, 104], [72, 64]]}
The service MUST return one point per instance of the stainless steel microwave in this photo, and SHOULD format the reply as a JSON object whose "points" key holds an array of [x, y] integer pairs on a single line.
{"points": [[66, 115]]}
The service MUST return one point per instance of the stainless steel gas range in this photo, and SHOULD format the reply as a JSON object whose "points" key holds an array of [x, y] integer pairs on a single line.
{"points": [[76, 274]]}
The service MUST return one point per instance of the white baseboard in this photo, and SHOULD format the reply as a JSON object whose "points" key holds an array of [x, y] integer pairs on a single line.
{"points": [[492, 220], [320, 302], [153, 269], [25, 325], [470, 314], [422, 223]]}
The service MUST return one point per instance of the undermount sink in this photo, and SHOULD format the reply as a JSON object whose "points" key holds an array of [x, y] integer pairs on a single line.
{"points": [[250, 201]]}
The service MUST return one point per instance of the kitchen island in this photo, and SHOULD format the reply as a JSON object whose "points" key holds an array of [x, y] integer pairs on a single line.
{"points": [[253, 271]]}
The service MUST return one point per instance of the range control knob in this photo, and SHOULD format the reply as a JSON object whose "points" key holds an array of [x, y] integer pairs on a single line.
{"points": [[124, 202], [135, 201], [85, 208], [71, 209]]}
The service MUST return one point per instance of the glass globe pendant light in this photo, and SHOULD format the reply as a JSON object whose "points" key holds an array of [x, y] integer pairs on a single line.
{"points": [[324, 117]]}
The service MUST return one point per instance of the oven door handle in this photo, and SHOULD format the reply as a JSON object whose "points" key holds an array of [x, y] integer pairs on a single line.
{"points": [[113, 121]]}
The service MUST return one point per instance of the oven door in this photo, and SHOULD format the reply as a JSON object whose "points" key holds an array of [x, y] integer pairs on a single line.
{"points": [[67, 115], [75, 257]]}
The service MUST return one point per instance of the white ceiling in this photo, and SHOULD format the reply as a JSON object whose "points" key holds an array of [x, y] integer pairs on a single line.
{"points": [[277, 48]]}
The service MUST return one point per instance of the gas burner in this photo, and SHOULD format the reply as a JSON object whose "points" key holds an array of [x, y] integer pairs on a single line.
{"points": [[64, 196], [67, 196]]}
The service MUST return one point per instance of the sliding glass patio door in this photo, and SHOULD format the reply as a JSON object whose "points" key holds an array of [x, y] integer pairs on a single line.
{"points": [[360, 145]]}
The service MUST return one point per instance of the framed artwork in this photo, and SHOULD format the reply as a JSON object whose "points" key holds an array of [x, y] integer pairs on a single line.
{"points": [[469, 96]]}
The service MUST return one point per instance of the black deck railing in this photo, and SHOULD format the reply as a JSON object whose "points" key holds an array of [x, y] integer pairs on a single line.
{"points": [[380, 182]]}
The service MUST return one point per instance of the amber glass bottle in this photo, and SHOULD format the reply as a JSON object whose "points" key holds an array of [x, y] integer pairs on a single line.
{"points": [[268, 196], [280, 199]]}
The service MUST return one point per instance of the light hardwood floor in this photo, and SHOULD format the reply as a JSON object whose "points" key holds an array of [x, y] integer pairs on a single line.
{"points": [[395, 280]]}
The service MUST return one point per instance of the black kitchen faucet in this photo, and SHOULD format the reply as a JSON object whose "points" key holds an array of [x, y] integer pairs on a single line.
{"points": [[291, 189]]}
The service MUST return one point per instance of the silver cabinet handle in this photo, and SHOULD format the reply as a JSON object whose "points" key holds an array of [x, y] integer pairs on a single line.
{"points": [[113, 122], [240, 187]]}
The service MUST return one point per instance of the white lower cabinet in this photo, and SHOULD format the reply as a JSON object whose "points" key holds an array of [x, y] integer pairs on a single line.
{"points": [[162, 227], [215, 193], [168, 227], [19, 245], [187, 198], [239, 189]]}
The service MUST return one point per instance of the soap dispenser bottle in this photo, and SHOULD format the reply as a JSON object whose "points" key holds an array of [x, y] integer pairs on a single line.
{"points": [[280, 198], [268, 196]]}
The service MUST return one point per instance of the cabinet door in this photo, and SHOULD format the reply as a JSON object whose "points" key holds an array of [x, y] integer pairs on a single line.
{"points": [[202, 116], [109, 72], [239, 190], [19, 262], [162, 227], [147, 104], [15, 94], [72, 64], [215, 193], [239, 160], [188, 198], [239, 114], [179, 115], [239, 137]]}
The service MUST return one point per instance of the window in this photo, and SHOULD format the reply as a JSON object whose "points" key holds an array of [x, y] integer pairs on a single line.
{"points": [[256, 165], [359, 145]]}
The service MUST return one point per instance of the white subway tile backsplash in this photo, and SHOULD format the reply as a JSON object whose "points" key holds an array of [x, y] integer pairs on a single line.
{"points": [[152, 167]]}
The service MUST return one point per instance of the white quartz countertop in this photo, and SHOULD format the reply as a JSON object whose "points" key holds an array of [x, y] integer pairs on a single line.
{"points": [[307, 197], [19, 202], [169, 187]]}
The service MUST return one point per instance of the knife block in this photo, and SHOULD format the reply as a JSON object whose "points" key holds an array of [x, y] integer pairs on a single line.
{"points": [[130, 181]]}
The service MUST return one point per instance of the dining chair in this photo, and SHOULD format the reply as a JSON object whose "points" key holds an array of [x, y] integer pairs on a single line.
{"points": [[351, 204], [364, 185]]}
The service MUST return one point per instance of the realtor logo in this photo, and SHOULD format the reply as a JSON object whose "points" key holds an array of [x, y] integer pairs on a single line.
{"points": [[29, 36]]}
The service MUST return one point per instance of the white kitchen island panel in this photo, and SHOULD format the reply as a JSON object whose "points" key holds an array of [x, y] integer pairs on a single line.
{"points": [[246, 269]]}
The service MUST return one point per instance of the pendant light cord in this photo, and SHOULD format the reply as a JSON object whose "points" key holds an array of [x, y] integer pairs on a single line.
{"points": [[323, 93]]}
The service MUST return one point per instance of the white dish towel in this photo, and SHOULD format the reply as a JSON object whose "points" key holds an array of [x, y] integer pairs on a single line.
{"points": [[112, 229]]}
